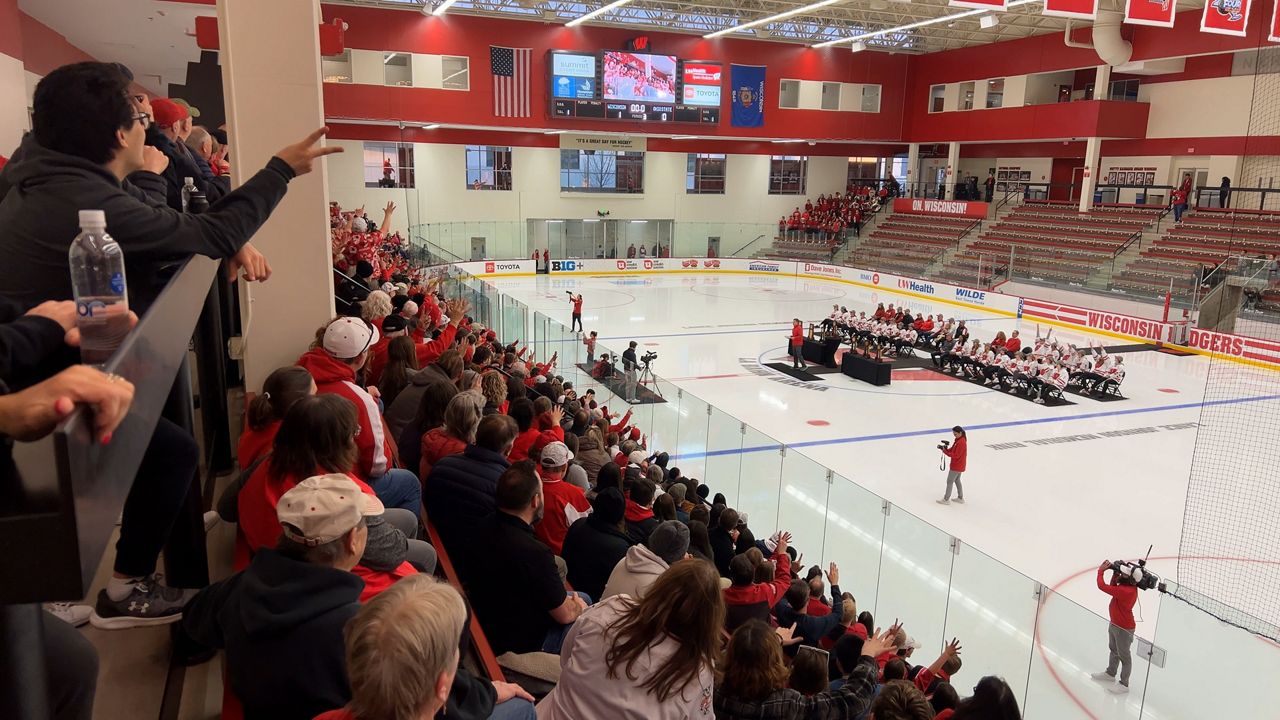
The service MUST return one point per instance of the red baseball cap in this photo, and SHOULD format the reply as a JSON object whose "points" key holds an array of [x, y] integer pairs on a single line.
{"points": [[167, 112]]}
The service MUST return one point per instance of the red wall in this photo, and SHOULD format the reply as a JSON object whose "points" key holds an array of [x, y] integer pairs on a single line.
{"points": [[1093, 118], [376, 29]]}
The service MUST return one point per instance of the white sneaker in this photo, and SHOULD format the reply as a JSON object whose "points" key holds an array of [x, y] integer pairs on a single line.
{"points": [[211, 520], [959, 500], [1103, 677], [70, 613], [943, 501], [1118, 689]]}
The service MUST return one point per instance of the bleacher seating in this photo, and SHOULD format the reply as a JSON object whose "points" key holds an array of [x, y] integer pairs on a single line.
{"points": [[1206, 236], [798, 246], [909, 242]]}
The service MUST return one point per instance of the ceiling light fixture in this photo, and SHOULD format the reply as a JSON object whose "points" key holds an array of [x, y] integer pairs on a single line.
{"points": [[771, 18], [389, 58], [858, 46], [919, 24], [684, 137], [554, 132], [595, 13], [432, 126], [442, 7]]}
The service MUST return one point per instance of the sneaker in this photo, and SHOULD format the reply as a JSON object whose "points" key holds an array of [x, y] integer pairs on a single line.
{"points": [[1103, 677], [1119, 689], [72, 614], [1039, 401], [1013, 391], [988, 381], [149, 603], [943, 501], [959, 500], [211, 520]]}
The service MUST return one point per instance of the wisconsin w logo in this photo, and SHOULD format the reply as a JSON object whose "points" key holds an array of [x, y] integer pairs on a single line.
{"points": [[1228, 8]]}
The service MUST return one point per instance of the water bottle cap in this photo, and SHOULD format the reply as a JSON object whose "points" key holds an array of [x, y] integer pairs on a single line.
{"points": [[93, 218], [188, 181]]}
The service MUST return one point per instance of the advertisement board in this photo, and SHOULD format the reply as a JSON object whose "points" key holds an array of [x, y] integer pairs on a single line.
{"points": [[925, 206], [496, 268], [701, 83], [924, 289], [594, 266]]}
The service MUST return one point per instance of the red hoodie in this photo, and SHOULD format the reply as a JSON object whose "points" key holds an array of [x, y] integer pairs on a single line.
{"points": [[527, 439], [373, 441], [427, 353], [436, 443], [255, 443], [1122, 599], [769, 593], [958, 452]]}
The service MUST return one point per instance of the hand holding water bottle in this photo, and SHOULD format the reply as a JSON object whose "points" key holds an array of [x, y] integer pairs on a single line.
{"points": [[63, 312]]}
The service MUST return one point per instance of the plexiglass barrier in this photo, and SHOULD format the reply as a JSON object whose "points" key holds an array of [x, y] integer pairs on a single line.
{"points": [[898, 566]]}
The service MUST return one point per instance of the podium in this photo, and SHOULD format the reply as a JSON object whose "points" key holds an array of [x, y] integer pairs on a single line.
{"points": [[874, 372], [822, 352]]}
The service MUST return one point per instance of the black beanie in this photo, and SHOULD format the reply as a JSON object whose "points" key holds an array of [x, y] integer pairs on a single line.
{"points": [[609, 506], [364, 269]]}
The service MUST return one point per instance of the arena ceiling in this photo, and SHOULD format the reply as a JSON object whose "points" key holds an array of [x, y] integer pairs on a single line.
{"points": [[833, 21]]}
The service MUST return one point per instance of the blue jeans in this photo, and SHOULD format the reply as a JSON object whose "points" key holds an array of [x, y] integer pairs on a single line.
{"points": [[399, 488], [1177, 212], [514, 709], [556, 635]]}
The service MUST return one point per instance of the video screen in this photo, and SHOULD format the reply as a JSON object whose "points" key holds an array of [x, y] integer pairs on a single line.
{"points": [[701, 84], [639, 77], [573, 76]]}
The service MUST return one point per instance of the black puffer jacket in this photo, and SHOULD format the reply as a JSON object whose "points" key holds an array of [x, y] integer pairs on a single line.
{"points": [[459, 492]]}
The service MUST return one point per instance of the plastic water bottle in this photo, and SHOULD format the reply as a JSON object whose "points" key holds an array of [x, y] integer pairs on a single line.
{"points": [[98, 281], [188, 187]]}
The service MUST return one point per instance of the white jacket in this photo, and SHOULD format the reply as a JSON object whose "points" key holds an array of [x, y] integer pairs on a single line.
{"points": [[584, 693], [634, 572]]}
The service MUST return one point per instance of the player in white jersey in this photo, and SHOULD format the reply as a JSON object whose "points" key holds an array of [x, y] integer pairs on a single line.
{"points": [[1053, 379]]}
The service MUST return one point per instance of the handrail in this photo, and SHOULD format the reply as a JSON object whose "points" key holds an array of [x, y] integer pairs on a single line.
{"points": [[757, 239], [71, 489], [1136, 237]]}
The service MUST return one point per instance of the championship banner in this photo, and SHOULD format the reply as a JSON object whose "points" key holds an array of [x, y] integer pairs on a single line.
{"points": [[981, 4], [1076, 9], [1158, 13], [1225, 17], [746, 82], [1274, 34]]}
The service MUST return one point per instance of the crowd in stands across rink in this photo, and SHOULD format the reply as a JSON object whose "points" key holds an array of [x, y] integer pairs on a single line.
{"points": [[413, 469]]}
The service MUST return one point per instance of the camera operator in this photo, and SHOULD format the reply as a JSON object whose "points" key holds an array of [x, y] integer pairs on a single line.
{"points": [[958, 451], [630, 371], [577, 311], [1124, 594]]}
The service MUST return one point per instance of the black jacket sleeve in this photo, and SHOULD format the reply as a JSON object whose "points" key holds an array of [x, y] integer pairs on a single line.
{"points": [[146, 232], [25, 342], [470, 698], [200, 616], [146, 187]]}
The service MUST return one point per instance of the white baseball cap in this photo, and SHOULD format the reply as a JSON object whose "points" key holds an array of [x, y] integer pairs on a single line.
{"points": [[556, 454], [323, 508], [347, 337]]}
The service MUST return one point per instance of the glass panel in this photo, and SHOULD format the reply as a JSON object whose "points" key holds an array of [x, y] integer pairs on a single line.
{"points": [[691, 449], [337, 68], [914, 572], [1071, 643], [966, 96], [758, 490], [664, 433], [871, 98], [397, 69], [724, 456], [455, 72], [802, 506], [854, 538], [830, 96], [789, 94], [992, 610]]}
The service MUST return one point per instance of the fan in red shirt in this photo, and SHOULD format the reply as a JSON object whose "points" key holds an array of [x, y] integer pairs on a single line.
{"points": [[1124, 593], [577, 311], [1014, 343], [563, 503], [282, 388]]}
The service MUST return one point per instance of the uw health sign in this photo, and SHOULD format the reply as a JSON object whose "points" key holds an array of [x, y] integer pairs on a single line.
{"points": [[956, 208]]}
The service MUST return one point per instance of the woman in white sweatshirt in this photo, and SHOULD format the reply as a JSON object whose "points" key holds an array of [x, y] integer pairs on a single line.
{"points": [[650, 659]]}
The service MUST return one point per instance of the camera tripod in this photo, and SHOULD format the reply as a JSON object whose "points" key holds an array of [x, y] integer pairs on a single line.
{"points": [[647, 372]]}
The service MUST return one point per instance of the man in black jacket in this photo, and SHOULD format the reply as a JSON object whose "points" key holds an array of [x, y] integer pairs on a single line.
{"points": [[724, 537], [88, 136], [594, 544], [460, 489], [280, 620]]}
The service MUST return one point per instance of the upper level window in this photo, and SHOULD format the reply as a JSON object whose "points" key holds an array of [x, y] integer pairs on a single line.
{"points": [[455, 72], [601, 171], [789, 94], [705, 174], [870, 98], [966, 96], [388, 165], [1126, 90], [488, 167], [937, 98], [787, 174], [397, 69], [336, 68], [995, 93]]}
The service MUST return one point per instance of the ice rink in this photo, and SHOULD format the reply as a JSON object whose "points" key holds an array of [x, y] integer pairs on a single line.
{"points": [[1051, 491]]}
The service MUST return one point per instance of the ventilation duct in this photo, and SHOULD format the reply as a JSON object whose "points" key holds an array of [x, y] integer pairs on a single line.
{"points": [[1111, 48]]}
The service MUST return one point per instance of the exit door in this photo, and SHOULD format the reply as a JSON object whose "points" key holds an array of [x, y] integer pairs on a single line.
{"points": [[713, 246], [477, 248], [1199, 178]]}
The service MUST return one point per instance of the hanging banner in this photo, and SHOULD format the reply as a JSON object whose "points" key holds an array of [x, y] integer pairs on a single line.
{"points": [[1225, 17], [1158, 13], [625, 143], [1077, 9], [981, 4], [747, 85], [1274, 34]]}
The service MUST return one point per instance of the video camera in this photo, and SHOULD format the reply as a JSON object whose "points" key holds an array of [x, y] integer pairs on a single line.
{"points": [[943, 445], [648, 357], [1137, 573]]}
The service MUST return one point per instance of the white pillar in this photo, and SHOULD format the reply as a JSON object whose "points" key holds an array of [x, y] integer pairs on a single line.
{"points": [[1092, 152], [1102, 83], [953, 169], [911, 182], [270, 55]]}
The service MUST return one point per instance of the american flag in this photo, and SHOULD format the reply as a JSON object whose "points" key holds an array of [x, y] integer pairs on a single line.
{"points": [[510, 68]]}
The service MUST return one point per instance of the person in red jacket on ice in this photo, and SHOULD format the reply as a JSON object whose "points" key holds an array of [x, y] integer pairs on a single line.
{"points": [[797, 344], [958, 451], [1124, 593]]}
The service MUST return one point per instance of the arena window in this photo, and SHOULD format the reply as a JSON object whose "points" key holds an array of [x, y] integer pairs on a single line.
{"points": [[601, 171], [488, 167], [455, 71], [388, 165], [870, 98], [397, 69], [336, 68], [937, 98], [787, 174], [995, 93], [705, 175]]}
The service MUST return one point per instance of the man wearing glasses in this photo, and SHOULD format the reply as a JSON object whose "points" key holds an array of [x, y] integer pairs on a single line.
{"points": [[88, 136]]}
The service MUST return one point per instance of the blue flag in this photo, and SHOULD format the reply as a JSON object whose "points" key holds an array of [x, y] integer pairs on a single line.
{"points": [[747, 85]]}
